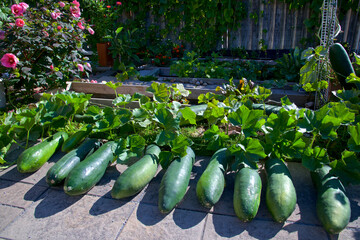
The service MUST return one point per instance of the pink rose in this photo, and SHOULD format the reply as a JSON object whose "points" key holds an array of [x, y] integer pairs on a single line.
{"points": [[52, 67], [17, 10], [91, 31], [19, 22], [80, 67], [118, 3], [76, 3], [55, 14], [75, 12], [88, 66], [80, 25], [93, 81], [61, 4], [59, 27], [24, 5], [9, 60]]}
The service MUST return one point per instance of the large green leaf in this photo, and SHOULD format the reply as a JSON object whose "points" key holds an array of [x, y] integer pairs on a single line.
{"points": [[188, 115], [216, 139], [320, 121], [136, 144], [250, 121], [164, 137], [179, 145], [166, 119], [277, 124], [354, 140], [124, 115], [213, 112], [314, 158], [340, 111], [352, 95], [122, 100], [348, 168], [161, 92], [248, 151]]}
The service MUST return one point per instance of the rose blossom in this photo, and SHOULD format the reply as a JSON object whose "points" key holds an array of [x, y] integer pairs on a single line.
{"points": [[17, 10], [52, 67], [76, 3], [55, 14], [9, 60], [59, 27], [118, 3], [80, 67], [24, 5], [75, 11], [91, 31], [19, 22], [61, 4], [88, 66], [80, 25]]}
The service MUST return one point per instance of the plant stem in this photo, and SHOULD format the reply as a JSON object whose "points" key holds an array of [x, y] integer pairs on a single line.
{"points": [[27, 139], [313, 139]]}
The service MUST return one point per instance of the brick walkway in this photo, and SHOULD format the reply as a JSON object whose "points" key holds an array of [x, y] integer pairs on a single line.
{"points": [[29, 209]]}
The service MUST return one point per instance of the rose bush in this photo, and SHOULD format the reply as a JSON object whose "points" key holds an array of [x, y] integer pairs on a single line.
{"points": [[41, 46]]}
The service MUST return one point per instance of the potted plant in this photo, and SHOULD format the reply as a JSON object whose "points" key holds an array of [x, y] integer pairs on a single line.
{"points": [[102, 16]]}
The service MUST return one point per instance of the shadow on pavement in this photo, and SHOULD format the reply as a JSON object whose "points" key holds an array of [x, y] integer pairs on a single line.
{"points": [[36, 191], [149, 215], [15, 176], [104, 205], [54, 202], [186, 219]]}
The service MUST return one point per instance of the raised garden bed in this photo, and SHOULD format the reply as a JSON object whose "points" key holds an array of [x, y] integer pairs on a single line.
{"points": [[101, 91]]}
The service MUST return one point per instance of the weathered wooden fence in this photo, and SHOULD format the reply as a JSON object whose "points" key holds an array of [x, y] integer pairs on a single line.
{"points": [[277, 27], [281, 28]]}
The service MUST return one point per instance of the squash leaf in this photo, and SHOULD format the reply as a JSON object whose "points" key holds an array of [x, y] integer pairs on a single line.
{"points": [[248, 151], [354, 140], [250, 121], [348, 168], [216, 138], [314, 158]]}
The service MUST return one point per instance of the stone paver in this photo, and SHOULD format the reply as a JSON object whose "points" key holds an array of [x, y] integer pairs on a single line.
{"points": [[19, 194], [348, 233], [229, 227], [148, 223], [59, 216], [8, 214], [353, 193]]}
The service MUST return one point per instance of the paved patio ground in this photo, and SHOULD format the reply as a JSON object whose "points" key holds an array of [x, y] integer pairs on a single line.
{"points": [[30, 209]]}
